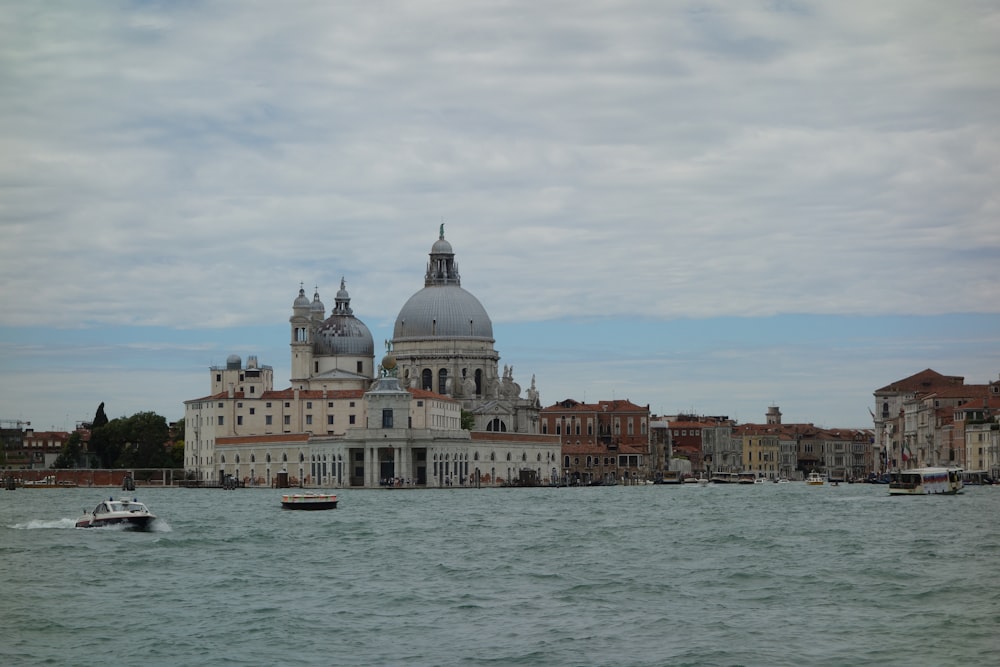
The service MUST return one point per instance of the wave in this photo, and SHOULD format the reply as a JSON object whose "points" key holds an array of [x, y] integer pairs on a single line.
{"points": [[45, 524]]}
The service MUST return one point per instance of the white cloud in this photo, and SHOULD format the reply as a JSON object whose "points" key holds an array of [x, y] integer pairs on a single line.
{"points": [[187, 165]]}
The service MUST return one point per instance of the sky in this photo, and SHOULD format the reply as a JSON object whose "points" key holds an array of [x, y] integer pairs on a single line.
{"points": [[704, 207]]}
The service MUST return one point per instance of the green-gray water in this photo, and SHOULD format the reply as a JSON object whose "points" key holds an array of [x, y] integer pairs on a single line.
{"points": [[775, 574]]}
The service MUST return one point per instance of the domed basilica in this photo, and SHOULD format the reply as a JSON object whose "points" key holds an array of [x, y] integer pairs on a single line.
{"points": [[346, 422]]}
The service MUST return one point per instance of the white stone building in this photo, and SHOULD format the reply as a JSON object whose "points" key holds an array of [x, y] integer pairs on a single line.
{"points": [[339, 425]]}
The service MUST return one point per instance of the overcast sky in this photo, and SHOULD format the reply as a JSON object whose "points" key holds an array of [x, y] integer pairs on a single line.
{"points": [[701, 206]]}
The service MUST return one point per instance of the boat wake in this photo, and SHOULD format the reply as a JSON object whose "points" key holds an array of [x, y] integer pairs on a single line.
{"points": [[43, 524]]}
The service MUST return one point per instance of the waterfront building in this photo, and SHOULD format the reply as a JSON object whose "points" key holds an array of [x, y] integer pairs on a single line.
{"points": [[347, 422], [761, 449], [602, 442], [914, 419], [721, 451]]}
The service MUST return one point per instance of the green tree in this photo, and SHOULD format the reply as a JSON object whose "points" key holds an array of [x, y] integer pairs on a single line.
{"points": [[100, 419], [468, 420], [139, 441], [71, 452]]}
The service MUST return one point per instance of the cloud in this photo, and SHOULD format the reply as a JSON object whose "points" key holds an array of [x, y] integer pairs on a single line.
{"points": [[189, 165]]}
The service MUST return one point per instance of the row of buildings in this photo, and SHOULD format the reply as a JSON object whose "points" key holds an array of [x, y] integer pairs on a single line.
{"points": [[438, 410]]}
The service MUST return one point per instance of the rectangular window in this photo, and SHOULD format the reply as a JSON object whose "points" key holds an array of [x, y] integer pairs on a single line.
{"points": [[218, 377], [309, 405], [329, 420], [268, 420], [239, 404], [330, 404], [309, 420], [252, 410], [288, 420], [253, 389], [352, 404], [220, 420], [239, 420], [220, 405], [268, 404], [287, 404], [387, 418], [350, 419]]}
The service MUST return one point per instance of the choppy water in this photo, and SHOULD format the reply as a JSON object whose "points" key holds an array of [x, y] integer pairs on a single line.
{"points": [[657, 575]]}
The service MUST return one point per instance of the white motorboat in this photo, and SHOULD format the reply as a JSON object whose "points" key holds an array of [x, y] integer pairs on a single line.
{"points": [[815, 479], [131, 514]]}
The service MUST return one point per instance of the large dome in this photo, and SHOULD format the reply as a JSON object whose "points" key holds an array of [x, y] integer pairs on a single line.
{"points": [[442, 311]]}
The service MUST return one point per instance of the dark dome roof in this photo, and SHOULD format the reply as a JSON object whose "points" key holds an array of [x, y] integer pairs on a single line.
{"points": [[344, 335], [443, 311]]}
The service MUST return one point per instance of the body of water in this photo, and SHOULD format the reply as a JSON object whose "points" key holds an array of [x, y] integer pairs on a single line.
{"points": [[772, 574]]}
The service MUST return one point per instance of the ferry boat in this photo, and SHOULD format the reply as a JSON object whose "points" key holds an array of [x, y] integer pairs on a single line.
{"points": [[926, 481], [724, 478], [309, 501], [130, 514]]}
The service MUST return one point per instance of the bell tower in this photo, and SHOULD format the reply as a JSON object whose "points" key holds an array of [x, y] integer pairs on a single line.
{"points": [[301, 343]]}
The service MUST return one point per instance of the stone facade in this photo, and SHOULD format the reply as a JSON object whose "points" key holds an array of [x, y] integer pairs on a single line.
{"points": [[342, 424]]}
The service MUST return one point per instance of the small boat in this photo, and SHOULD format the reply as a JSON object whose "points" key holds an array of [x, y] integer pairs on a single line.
{"points": [[760, 480], [128, 513], [926, 481], [309, 501], [814, 479]]}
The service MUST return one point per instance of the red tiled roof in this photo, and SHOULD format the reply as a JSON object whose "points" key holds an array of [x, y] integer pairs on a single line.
{"points": [[925, 380]]}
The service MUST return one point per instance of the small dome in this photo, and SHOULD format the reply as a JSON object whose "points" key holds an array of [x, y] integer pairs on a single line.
{"points": [[301, 301], [233, 362], [317, 305], [442, 247]]}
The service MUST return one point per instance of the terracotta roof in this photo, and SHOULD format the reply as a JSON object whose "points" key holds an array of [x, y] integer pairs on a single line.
{"points": [[925, 380]]}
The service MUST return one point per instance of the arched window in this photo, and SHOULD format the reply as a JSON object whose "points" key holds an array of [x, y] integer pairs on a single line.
{"points": [[237, 459], [479, 382], [284, 458], [253, 458], [476, 457], [427, 380], [302, 457], [508, 456], [222, 458], [268, 457], [443, 381], [496, 424]]}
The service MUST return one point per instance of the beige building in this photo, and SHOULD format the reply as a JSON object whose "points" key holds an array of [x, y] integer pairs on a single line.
{"points": [[346, 422]]}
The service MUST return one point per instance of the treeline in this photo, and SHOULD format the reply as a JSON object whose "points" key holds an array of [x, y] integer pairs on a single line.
{"points": [[143, 440]]}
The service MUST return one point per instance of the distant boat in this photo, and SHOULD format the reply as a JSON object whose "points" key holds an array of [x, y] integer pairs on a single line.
{"points": [[309, 501], [814, 479], [926, 481]]}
